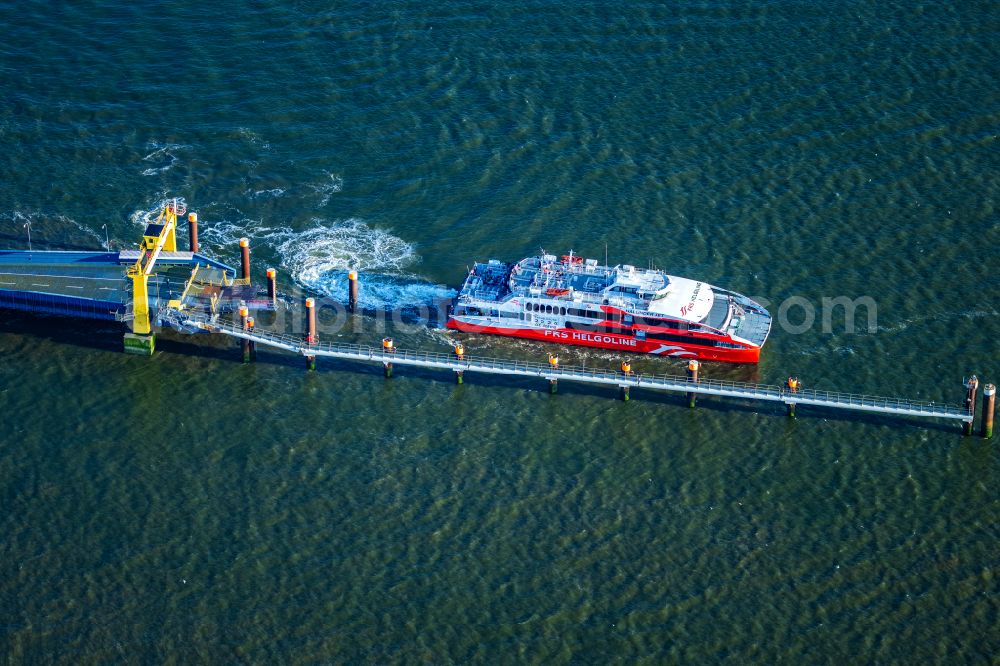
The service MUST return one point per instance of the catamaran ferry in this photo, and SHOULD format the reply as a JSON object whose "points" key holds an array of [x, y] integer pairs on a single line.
{"points": [[574, 301]]}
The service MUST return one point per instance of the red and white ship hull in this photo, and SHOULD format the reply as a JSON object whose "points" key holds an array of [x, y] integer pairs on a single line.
{"points": [[577, 302], [617, 342]]}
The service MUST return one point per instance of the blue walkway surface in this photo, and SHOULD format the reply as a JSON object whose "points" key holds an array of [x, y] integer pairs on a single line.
{"points": [[91, 285]]}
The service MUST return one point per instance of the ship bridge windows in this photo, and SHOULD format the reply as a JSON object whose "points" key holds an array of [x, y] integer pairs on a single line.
{"points": [[557, 310]]}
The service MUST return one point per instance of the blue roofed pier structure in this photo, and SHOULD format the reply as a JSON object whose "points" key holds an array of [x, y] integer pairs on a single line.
{"points": [[93, 285], [131, 286]]}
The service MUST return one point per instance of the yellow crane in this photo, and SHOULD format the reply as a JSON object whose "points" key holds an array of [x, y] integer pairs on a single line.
{"points": [[208, 285], [159, 236]]}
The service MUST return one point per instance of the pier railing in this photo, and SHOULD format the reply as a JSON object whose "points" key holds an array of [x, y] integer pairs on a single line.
{"points": [[664, 382]]}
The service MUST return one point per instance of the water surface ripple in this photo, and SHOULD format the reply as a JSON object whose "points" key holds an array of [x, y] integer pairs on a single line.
{"points": [[188, 509]]}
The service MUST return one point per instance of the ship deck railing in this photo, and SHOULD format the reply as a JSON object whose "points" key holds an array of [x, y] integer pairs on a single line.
{"points": [[665, 382]]}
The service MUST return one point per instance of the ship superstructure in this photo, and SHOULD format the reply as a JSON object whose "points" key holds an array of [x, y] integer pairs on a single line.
{"points": [[573, 300]]}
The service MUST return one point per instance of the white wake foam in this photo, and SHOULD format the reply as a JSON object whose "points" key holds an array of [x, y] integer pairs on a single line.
{"points": [[164, 155], [52, 226], [143, 216], [319, 257], [253, 138], [327, 188], [272, 193]]}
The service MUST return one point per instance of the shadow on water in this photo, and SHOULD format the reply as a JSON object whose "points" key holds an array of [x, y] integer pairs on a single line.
{"points": [[811, 413], [107, 336], [85, 333], [667, 399]]}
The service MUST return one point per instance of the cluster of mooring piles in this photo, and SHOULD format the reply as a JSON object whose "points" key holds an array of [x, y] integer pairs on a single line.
{"points": [[989, 406]]}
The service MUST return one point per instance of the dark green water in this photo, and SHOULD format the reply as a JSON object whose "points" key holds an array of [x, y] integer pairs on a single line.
{"points": [[187, 508]]}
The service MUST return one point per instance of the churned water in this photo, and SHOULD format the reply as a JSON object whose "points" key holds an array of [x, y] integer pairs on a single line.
{"points": [[187, 508]]}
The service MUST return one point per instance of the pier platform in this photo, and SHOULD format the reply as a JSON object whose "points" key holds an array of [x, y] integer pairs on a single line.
{"points": [[670, 383], [157, 285], [90, 285]]}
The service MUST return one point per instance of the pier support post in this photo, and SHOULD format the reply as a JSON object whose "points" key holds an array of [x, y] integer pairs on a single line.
{"points": [[692, 373], [793, 387], [311, 337], [989, 404], [245, 325], [137, 343], [352, 291], [245, 258], [388, 347], [627, 371], [193, 231], [971, 385], [272, 287], [252, 344], [553, 386], [460, 355]]}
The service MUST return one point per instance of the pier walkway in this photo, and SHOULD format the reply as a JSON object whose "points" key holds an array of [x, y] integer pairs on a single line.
{"points": [[90, 285], [672, 383]]}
